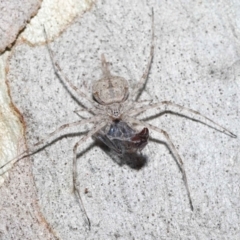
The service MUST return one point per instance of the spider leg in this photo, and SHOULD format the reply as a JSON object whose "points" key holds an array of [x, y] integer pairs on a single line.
{"points": [[59, 131], [50, 138], [8, 165], [143, 101], [76, 92], [140, 85], [129, 105], [78, 112], [172, 149], [95, 129], [92, 111], [167, 106]]}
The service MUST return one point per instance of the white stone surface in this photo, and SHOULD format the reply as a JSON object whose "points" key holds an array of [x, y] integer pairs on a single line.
{"points": [[195, 64], [11, 129], [54, 15]]}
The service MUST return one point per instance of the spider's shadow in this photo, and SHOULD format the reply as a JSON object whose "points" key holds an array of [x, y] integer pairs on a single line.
{"points": [[133, 160]]}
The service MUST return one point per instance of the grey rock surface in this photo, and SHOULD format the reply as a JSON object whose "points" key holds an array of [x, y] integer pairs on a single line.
{"points": [[196, 62]]}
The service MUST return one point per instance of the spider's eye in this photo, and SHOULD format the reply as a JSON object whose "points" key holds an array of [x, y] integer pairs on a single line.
{"points": [[115, 112]]}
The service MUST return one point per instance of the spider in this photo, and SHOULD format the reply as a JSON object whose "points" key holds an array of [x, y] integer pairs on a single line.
{"points": [[114, 113]]}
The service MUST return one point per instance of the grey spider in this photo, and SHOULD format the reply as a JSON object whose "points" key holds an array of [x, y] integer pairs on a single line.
{"points": [[114, 111]]}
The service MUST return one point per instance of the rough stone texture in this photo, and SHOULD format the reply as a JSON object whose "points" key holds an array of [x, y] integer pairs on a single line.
{"points": [[195, 64], [14, 17], [11, 129], [55, 16], [20, 215]]}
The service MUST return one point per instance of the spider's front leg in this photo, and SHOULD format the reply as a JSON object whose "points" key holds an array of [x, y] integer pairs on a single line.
{"points": [[167, 106], [172, 148], [74, 91], [140, 84]]}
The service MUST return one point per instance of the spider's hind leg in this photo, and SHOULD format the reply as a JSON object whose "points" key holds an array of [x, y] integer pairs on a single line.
{"points": [[171, 147], [76, 190]]}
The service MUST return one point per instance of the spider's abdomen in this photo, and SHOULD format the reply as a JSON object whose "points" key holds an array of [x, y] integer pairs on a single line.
{"points": [[111, 89]]}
